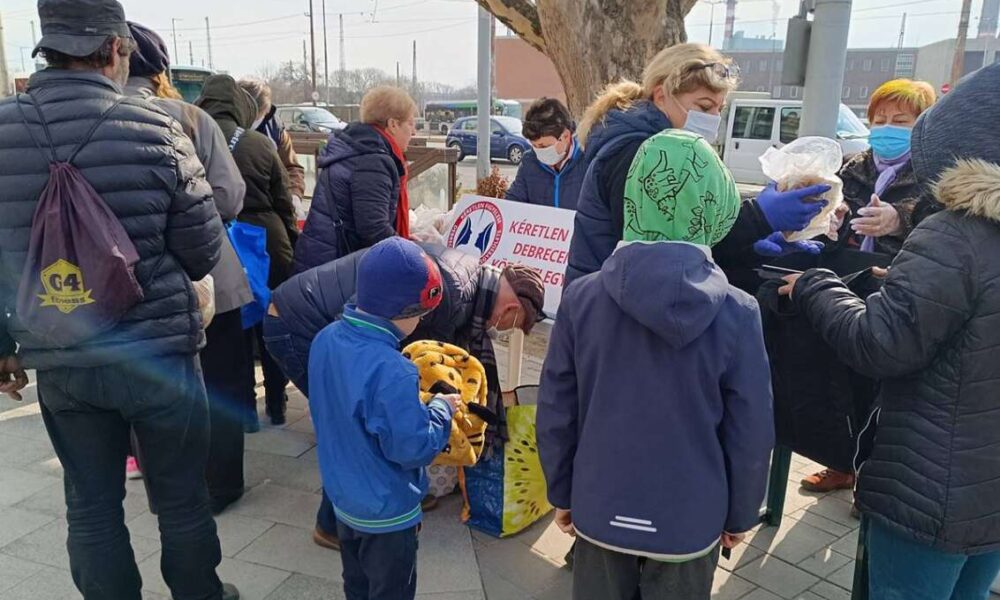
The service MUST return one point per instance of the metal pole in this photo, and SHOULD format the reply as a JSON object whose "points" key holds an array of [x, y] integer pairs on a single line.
{"points": [[208, 36], [4, 76], [825, 73], [414, 84], [326, 57], [312, 38], [191, 52], [711, 24], [343, 59], [484, 100], [173, 26], [958, 63]]}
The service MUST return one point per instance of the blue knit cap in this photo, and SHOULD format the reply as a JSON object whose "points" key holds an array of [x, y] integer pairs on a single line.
{"points": [[397, 280]]}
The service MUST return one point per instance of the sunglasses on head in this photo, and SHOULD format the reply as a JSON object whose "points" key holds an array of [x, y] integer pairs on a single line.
{"points": [[720, 70]]}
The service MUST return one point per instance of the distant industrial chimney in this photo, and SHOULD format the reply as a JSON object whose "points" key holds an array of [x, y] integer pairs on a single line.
{"points": [[988, 20], [727, 40]]}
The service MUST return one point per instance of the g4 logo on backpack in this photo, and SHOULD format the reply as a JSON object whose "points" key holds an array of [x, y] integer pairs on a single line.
{"points": [[63, 283]]}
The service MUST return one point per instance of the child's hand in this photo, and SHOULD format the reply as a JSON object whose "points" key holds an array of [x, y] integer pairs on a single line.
{"points": [[564, 521], [454, 401], [731, 540]]}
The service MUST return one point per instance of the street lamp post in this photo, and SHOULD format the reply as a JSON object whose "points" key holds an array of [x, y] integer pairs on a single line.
{"points": [[173, 26]]}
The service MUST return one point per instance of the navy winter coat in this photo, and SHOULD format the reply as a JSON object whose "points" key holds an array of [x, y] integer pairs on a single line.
{"points": [[655, 424], [354, 205], [311, 300], [611, 146], [538, 183]]}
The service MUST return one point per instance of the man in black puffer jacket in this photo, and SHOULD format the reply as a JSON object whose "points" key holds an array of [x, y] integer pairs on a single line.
{"points": [[143, 374], [931, 488]]}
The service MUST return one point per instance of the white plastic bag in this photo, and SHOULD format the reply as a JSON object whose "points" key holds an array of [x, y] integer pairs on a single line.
{"points": [[427, 225], [205, 290], [808, 161]]}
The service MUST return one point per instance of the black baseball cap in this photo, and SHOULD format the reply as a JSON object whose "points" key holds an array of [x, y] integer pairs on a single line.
{"points": [[79, 27]]}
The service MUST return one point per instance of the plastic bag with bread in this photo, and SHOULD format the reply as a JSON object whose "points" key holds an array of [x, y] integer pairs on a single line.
{"points": [[447, 369], [805, 162]]}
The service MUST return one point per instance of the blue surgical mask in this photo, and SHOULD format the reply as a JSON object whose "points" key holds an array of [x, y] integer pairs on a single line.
{"points": [[704, 124], [889, 142]]}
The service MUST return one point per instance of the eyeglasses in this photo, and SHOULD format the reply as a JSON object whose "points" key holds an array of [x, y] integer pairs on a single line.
{"points": [[720, 70]]}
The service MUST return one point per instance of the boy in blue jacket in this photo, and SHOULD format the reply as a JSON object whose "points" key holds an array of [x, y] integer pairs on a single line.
{"points": [[654, 416], [374, 435]]}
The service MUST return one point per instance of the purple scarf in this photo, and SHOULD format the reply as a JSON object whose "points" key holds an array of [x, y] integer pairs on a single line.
{"points": [[887, 170]]}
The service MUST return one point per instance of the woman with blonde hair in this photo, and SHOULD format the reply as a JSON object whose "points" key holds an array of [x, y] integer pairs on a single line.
{"points": [[683, 87], [360, 196]]}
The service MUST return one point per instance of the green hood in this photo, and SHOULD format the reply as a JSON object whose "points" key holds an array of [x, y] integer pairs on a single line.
{"points": [[229, 104]]}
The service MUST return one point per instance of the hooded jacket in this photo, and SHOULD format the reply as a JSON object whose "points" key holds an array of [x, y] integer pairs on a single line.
{"points": [[311, 300], [267, 203], [145, 169], [273, 128], [231, 288], [538, 183], [654, 413], [354, 205]]}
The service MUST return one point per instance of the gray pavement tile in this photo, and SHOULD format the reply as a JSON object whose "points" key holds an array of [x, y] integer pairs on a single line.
{"points": [[304, 587], [848, 545], [761, 594], [481, 540], [279, 504], [235, 532], [281, 470], [777, 576], [470, 595], [794, 541], [829, 591], [47, 545], [515, 563], [726, 586], [280, 441], [824, 563], [17, 484], [311, 456], [843, 577], [498, 588], [292, 549], [23, 421], [255, 582], [46, 584], [17, 522], [545, 538], [446, 561], [561, 589], [741, 555], [15, 570], [20, 452], [302, 425], [796, 499], [806, 515], [47, 466], [52, 501], [835, 510]]}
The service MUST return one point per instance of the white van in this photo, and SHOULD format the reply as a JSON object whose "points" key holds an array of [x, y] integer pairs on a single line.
{"points": [[753, 122]]}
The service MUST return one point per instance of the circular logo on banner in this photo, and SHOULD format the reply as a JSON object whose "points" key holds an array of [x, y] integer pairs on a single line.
{"points": [[478, 230]]}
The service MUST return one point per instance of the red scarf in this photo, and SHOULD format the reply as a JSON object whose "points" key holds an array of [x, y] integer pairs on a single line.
{"points": [[403, 208]]}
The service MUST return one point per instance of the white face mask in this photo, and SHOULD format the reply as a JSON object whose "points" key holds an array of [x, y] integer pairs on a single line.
{"points": [[704, 124], [550, 156], [494, 333]]}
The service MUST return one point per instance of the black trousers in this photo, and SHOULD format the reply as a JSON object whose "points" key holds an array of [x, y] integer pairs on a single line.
{"points": [[600, 574], [228, 366], [88, 413], [275, 380], [379, 566]]}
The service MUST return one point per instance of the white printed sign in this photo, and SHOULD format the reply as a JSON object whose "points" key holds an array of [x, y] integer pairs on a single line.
{"points": [[501, 232]]}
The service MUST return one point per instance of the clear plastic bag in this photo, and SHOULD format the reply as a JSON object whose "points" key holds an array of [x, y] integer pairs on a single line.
{"points": [[808, 161], [204, 289], [427, 225]]}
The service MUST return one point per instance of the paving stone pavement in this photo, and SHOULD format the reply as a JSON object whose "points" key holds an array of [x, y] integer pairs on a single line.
{"points": [[269, 554]]}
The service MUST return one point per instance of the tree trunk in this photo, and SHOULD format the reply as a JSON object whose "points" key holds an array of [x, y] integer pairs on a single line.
{"points": [[595, 42]]}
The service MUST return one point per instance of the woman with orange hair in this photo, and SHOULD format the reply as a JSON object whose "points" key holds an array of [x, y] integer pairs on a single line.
{"points": [[882, 192]]}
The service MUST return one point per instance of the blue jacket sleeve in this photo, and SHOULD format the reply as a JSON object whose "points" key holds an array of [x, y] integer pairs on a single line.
{"points": [[518, 191], [409, 433], [558, 411], [747, 430]]}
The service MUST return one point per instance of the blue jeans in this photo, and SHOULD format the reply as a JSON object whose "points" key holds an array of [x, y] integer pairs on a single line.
{"points": [[901, 568], [88, 413], [379, 566], [290, 358]]}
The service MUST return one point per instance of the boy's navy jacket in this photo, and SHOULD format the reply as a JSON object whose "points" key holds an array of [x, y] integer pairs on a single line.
{"points": [[538, 183], [655, 424], [374, 436]]}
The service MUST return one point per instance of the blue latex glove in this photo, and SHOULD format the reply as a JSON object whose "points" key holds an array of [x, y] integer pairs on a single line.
{"points": [[788, 211], [776, 245]]}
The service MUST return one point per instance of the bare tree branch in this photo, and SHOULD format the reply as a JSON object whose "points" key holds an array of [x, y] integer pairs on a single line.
{"points": [[521, 16]]}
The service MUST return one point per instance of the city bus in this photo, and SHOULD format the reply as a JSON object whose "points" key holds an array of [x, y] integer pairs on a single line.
{"points": [[190, 80], [440, 116]]}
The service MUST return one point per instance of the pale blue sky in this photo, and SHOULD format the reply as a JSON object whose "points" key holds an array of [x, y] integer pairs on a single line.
{"points": [[247, 34]]}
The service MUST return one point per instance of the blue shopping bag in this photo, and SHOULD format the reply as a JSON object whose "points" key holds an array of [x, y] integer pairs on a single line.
{"points": [[250, 243]]}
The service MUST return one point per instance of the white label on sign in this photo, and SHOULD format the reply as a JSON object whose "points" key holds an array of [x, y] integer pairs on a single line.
{"points": [[501, 232]]}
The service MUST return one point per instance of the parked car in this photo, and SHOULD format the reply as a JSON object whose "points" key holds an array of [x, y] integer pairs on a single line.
{"points": [[506, 140], [752, 123], [309, 119]]}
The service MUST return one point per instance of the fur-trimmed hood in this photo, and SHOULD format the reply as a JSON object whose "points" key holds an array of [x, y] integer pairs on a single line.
{"points": [[972, 186]]}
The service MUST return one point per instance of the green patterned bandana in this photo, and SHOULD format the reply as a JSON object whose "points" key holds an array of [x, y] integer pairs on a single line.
{"points": [[678, 190]]}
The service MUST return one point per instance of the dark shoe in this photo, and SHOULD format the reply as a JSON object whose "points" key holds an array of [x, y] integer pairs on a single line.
{"points": [[429, 503], [251, 424], [326, 540], [276, 411], [217, 504], [229, 592], [828, 480]]}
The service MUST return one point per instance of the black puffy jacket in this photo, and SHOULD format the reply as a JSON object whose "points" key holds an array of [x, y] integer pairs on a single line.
{"points": [[932, 335], [313, 299], [146, 170]]}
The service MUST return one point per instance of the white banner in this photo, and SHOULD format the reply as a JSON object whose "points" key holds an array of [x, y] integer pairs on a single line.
{"points": [[501, 232]]}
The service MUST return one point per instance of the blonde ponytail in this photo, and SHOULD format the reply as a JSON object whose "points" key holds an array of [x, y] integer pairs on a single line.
{"points": [[164, 88], [619, 96]]}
